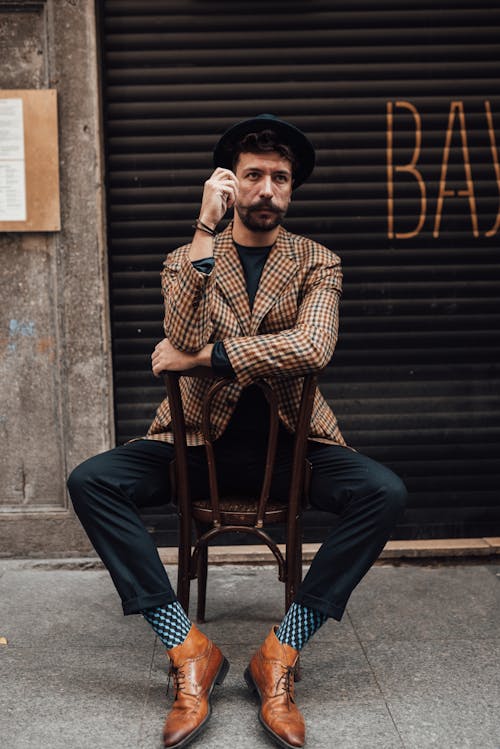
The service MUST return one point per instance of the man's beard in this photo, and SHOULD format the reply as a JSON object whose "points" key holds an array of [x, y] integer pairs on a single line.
{"points": [[251, 221]]}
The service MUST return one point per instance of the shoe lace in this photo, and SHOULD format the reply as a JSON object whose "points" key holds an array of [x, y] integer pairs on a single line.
{"points": [[285, 682], [177, 675]]}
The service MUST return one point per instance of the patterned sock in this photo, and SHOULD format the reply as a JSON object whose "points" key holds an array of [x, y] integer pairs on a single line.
{"points": [[169, 622], [299, 625]]}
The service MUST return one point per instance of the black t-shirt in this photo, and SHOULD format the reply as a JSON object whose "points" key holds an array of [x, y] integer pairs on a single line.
{"points": [[251, 416]]}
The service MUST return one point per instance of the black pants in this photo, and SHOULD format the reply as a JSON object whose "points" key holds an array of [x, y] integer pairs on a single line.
{"points": [[108, 490]]}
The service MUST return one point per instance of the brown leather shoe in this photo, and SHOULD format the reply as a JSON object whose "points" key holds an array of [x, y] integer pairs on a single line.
{"points": [[270, 674], [197, 665]]}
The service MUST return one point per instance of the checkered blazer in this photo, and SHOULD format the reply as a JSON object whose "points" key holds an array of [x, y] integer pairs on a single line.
{"points": [[291, 330]]}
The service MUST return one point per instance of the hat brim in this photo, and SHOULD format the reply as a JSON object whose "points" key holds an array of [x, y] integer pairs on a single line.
{"points": [[287, 133]]}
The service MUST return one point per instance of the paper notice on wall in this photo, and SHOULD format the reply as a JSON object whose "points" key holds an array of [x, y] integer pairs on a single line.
{"points": [[12, 161]]}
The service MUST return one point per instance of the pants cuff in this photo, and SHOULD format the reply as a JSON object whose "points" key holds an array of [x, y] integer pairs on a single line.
{"points": [[139, 603], [319, 604]]}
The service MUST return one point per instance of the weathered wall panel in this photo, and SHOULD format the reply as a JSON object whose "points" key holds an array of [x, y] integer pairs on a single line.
{"points": [[31, 459], [23, 51], [54, 365]]}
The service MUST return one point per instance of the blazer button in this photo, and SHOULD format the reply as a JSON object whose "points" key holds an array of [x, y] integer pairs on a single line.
{"points": [[195, 305]]}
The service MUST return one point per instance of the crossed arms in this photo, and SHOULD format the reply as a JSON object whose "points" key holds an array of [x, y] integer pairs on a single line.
{"points": [[191, 324]]}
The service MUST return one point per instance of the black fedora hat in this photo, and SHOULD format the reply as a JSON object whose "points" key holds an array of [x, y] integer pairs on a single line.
{"points": [[290, 135]]}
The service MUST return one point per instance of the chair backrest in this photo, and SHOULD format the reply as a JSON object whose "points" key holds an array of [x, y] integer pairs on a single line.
{"points": [[180, 444]]}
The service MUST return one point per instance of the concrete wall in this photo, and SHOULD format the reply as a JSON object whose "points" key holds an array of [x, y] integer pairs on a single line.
{"points": [[55, 359]]}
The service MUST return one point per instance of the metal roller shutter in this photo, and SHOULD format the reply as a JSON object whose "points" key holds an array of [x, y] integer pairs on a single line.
{"points": [[403, 104]]}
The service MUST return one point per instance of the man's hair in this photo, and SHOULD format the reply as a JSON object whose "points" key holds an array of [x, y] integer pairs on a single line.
{"points": [[264, 141]]}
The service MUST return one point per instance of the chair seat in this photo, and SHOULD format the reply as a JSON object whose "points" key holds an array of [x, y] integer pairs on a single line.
{"points": [[239, 510]]}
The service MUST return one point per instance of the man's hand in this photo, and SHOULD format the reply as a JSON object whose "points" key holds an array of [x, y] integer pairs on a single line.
{"points": [[165, 356], [219, 194]]}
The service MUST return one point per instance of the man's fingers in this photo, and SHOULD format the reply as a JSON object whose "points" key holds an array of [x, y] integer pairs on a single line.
{"points": [[230, 182], [220, 193], [157, 365], [229, 194], [222, 171], [225, 180], [156, 357], [160, 345]]}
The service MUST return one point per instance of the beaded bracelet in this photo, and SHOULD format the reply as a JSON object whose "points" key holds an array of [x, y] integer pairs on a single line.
{"points": [[198, 224]]}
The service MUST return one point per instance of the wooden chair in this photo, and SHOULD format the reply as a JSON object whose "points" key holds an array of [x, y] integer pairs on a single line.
{"points": [[216, 515]]}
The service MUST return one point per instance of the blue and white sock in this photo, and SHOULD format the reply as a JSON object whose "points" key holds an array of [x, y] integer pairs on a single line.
{"points": [[169, 622], [299, 625]]}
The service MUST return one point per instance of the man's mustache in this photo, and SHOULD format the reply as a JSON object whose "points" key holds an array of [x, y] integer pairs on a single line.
{"points": [[265, 205]]}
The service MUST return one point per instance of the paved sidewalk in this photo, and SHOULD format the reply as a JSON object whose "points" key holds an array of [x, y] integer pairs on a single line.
{"points": [[415, 663]]}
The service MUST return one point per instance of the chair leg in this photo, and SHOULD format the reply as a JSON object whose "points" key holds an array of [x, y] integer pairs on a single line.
{"points": [[291, 571], [202, 583], [184, 563], [294, 575], [298, 571], [293, 562], [292, 583], [298, 579]]}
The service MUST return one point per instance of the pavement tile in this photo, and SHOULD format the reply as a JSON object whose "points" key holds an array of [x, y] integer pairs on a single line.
{"points": [[336, 674], [235, 591], [422, 603], [79, 698], [453, 723], [441, 693], [80, 606], [447, 668], [345, 725], [495, 570], [415, 664]]}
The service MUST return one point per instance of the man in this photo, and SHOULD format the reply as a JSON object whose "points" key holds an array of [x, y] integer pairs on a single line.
{"points": [[254, 301]]}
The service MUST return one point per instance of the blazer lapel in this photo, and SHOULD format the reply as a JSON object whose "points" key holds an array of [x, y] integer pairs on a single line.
{"points": [[230, 277], [281, 266]]}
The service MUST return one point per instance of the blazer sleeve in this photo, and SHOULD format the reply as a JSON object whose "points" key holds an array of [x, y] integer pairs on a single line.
{"points": [[306, 347], [186, 293]]}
